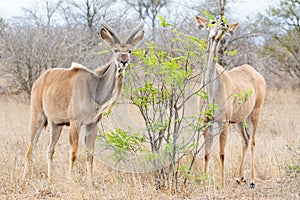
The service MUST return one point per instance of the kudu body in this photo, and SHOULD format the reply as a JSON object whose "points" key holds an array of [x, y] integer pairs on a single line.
{"points": [[237, 94], [77, 97]]}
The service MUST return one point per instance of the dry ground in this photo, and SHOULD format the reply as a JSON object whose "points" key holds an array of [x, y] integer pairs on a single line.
{"points": [[280, 126]]}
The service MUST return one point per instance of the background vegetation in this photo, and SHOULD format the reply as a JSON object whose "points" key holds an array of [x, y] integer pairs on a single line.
{"points": [[54, 33]]}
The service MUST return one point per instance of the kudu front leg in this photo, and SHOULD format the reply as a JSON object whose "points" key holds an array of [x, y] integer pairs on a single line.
{"points": [[208, 140], [89, 140], [223, 140]]}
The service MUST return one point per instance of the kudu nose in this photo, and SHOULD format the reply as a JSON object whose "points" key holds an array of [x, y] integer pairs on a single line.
{"points": [[124, 62]]}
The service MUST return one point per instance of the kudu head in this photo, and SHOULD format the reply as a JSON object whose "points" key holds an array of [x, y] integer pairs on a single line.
{"points": [[122, 50], [216, 28]]}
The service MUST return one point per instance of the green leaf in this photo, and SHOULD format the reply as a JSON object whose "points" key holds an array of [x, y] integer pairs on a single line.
{"points": [[245, 125], [208, 15], [215, 59], [107, 113], [192, 38], [224, 20], [232, 53], [203, 94], [103, 52], [163, 22], [123, 142]]}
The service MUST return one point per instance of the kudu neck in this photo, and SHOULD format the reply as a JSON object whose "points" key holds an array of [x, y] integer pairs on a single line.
{"points": [[109, 82], [210, 75], [104, 70]]}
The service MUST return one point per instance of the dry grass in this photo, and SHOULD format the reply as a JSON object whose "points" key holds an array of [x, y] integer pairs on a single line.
{"points": [[280, 126]]}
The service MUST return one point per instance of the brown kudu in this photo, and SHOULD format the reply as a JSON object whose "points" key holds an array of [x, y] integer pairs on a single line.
{"points": [[238, 94], [77, 97]]}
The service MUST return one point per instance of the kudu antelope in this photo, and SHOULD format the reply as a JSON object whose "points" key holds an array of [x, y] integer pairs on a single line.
{"points": [[77, 97], [225, 89]]}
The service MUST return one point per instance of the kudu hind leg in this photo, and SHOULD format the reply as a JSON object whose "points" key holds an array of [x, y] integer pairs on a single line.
{"points": [[38, 122], [55, 132], [245, 143], [255, 117]]}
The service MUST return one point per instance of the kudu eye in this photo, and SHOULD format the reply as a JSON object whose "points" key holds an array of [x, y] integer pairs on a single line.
{"points": [[213, 22], [129, 51], [115, 50]]}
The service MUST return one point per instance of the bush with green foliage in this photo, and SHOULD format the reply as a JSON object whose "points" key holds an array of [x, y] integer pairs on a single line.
{"points": [[160, 86]]}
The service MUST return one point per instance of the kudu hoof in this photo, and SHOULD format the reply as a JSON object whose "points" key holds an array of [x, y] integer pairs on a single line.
{"points": [[242, 180]]}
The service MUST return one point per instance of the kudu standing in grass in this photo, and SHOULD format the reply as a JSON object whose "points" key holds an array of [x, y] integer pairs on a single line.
{"points": [[77, 97], [237, 95]]}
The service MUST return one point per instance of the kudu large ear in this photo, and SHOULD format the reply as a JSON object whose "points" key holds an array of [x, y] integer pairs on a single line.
{"points": [[107, 38], [108, 35], [136, 40], [202, 22], [232, 28], [133, 39]]}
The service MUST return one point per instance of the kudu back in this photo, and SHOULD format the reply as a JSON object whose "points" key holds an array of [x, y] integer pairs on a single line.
{"points": [[77, 97]]}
